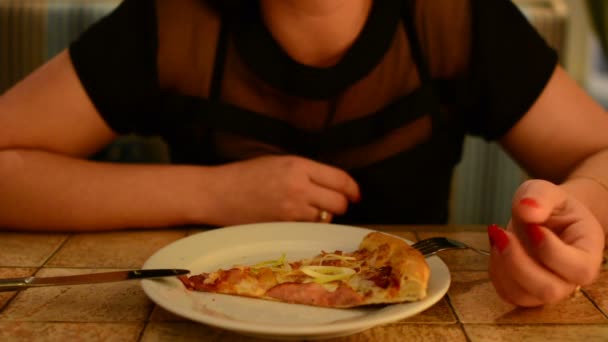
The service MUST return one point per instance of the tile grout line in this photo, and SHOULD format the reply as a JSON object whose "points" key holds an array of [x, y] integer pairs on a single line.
{"points": [[69, 236], [12, 298], [464, 331], [145, 326], [594, 303], [37, 269], [8, 302], [458, 321], [147, 321]]}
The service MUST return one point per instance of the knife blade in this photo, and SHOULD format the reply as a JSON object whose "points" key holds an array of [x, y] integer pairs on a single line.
{"points": [[16, 284]]}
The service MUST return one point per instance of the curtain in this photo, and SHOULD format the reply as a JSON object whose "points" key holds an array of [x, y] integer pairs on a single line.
{"points": [[598, 13]]}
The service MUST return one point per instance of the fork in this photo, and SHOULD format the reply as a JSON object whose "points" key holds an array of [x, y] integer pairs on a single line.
{"points": [[433, 245]]}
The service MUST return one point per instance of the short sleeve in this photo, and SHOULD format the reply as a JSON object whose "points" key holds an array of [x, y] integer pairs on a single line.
{"points": [[116, 62], [511, 65]]}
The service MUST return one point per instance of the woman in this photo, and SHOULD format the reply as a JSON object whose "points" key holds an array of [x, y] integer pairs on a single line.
{"points": [[342, 110]]}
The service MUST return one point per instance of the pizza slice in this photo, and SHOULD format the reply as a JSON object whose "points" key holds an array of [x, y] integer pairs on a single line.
{"points": [[384, 269]]}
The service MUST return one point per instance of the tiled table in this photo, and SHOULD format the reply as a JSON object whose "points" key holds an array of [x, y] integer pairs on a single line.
{"points": [[121, 311]]}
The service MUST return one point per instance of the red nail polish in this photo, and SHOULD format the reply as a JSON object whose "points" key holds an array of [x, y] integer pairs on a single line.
{"points": [[529, 202], [498, 237], [535, 234], [492, 226]]}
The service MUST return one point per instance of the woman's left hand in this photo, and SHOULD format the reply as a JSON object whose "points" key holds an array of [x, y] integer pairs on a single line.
{"points": [[552, 245]]}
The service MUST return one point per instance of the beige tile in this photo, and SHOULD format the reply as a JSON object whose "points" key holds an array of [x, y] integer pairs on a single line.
{"points": [[161, 315], [51, 331], [438, 313], [408, 332], [192, 331], [463, 260], [598, 291], [28, 249], [12, 273], [113, 250], [475, 301], [110, 302], [554, 333]]}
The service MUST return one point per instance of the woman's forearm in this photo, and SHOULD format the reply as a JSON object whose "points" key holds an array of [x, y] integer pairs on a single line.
{"points": [[45, 191], [589, 183]]}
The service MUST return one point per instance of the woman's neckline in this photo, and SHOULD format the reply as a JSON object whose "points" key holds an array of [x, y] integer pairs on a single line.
{"points": [[264, 56], [315, 33]]}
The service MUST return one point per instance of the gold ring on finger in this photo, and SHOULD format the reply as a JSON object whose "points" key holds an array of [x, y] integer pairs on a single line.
{"points": [[323, 216], [576, 292]]}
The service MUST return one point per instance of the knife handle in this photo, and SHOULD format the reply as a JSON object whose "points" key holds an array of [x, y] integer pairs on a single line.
{"points": [[157, 273], [14, 284]]}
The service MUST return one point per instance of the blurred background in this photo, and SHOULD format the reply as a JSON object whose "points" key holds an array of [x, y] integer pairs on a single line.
{"points": [[32, 31]]}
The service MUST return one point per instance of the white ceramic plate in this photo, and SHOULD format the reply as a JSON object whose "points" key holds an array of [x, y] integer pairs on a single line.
{"points": [[246, 244]]}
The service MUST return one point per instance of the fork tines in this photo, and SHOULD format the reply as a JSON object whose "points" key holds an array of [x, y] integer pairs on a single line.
{"points": [[434, 245]]}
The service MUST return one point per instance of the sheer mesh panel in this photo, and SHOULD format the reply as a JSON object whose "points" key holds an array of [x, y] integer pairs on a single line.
{"points": [[190, 70]]}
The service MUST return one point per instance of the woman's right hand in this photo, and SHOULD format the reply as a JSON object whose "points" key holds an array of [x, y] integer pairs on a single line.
{"points": [[277, 188]]}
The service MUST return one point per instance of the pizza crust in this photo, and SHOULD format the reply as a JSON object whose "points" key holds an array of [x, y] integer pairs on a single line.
{"points": [[408, 266]]}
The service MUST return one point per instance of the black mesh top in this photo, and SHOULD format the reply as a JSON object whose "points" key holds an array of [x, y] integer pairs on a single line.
{"points": [[393, 111]]}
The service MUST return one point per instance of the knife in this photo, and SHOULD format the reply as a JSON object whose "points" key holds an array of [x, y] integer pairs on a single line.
{"points": [[16, 284]]}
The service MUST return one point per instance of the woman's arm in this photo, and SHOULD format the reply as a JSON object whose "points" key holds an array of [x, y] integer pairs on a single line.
{"points": [[48, 125], [564, 139], [49, 191], [554, 241], [50, 110]]}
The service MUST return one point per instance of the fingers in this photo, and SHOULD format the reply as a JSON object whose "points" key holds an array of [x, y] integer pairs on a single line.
{"points": [[558, 231], [517, 277], [571, 262], [509, 290], [310, 214], [328, 200], [305, 189], [336, 180], [537, 200], [335, 188]]}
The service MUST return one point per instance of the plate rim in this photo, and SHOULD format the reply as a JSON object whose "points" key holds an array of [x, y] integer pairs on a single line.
{"points": [[286, 330]]}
